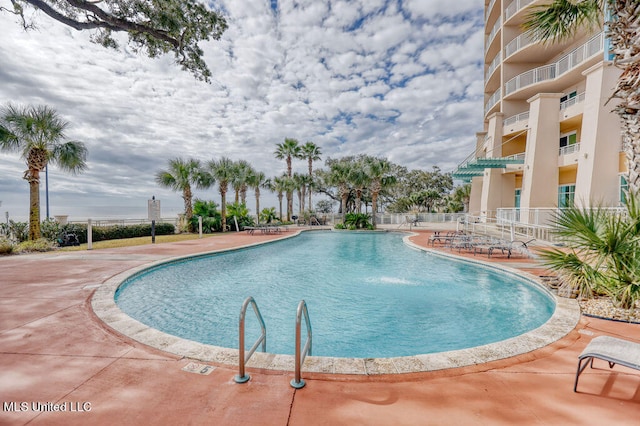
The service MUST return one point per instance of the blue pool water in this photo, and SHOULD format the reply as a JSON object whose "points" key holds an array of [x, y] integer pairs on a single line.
{"points": [[368, 295]]}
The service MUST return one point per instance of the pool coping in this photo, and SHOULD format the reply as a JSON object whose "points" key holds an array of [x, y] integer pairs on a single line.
{"points": [[564, 319]]}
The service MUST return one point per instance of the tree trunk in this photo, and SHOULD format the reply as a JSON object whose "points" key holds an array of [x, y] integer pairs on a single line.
{"points": [[289, 205], [310, 182], [34, 205], [188, 208], [257, 206], [374, 208], [223, 209]]}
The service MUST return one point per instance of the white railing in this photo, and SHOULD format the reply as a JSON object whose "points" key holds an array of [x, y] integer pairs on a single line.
{"points": [[539, 216], [401, 218], [488, 10], [517, 43], [493, 33], [123, 222], [507, 230], [574, 147], [492, 100], [516, 118], [572, 101], [549, 72], [536, 75], [519, 156], [514, 7], [493, 66]]}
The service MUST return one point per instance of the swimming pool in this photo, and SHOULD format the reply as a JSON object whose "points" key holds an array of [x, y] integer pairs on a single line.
{"points": [[387, 300]]}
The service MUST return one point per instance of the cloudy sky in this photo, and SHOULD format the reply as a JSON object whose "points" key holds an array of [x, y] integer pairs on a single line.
{"points": [[400, 79]]}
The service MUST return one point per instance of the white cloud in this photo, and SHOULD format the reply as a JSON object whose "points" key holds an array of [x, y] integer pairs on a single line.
{"points": [[381, 77]]}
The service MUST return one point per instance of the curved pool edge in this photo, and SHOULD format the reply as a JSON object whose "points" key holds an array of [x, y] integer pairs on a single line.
{"points": [[564, 320]]}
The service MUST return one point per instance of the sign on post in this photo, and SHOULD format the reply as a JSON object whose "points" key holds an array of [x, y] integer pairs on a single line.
{"points": [[154, 214], [154, 209]]}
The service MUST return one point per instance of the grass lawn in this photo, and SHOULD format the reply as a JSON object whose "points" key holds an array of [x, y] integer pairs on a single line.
{"points": [[139, 241]]}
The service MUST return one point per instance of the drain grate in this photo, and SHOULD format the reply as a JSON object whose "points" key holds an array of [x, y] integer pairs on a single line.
{"points": [[202, 369]]}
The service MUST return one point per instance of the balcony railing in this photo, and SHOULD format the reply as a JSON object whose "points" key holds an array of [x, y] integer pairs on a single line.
{"points": [[565, 64], [519, 157], [574, 147], [517, 43], [515, 118], [514, 7], [493, 33], [488, 10], [493, 66], [572, 101], [492, 100]]}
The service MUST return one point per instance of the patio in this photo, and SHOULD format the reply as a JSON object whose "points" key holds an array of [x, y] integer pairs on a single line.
{"points": [[55, 351]]}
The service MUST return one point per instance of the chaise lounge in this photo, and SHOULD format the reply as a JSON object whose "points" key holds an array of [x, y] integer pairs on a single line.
{"points": [[610, 349]]}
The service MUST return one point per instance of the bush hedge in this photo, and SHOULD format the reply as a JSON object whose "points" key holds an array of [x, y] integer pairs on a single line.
{"points": [[116, 232]]}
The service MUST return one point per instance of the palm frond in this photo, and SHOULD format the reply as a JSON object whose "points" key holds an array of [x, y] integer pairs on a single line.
{"points": [[561, 19]]}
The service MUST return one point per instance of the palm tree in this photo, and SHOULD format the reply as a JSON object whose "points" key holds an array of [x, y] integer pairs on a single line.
{"points": [[180, 176], [603, 253], [278, 186], [241, 176], [311, 152], [359, 179], [560, 20], [289, 187], [339, 177], [302, 182], [256, 181], [380, 174], [39, 134], [222, 171], [288, 150]]}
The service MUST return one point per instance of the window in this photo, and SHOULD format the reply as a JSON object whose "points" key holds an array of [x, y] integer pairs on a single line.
{"points": [[569, 96], [566, 195], [568, 139], [517, 201], [624, 188]]}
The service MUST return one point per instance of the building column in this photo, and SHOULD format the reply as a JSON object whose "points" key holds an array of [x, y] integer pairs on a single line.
{"points": [[492, 190], [540, 172], [597, 180], [475, 198]]}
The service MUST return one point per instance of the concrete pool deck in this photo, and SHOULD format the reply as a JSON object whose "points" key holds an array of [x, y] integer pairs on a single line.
{"points": [[54, 350]]}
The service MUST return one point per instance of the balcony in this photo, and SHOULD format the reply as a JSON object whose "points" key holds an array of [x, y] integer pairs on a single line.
{"points": [[492, 34], [493, 100], [516, 118], [514, 7], [572, 101], [569, 149], [488, 11], [492, 67], [517, 43], [549, 72]]}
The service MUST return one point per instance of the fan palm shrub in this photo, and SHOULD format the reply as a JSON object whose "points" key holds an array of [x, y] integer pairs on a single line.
{"points": [[602, 254]]}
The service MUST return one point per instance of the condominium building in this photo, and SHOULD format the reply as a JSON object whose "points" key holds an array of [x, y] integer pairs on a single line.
{"points": [[550, 137]]}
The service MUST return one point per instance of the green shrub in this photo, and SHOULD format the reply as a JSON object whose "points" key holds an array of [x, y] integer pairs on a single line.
{"points": [[211, 217], [6, 247], [339, 226], [117, 232], [50, 229], [20, 230], [357, 220], [39, 245]]}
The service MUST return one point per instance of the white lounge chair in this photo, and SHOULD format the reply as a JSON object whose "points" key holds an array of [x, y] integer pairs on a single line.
{"points": [[610, 349]]}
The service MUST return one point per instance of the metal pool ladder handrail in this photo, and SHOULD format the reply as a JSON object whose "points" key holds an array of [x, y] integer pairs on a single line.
{"points": [[243, 358], [297, 382]]}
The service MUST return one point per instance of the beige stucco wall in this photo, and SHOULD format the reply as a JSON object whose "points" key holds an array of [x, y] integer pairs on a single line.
{"points": [[540, 177], [597, 180]]}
